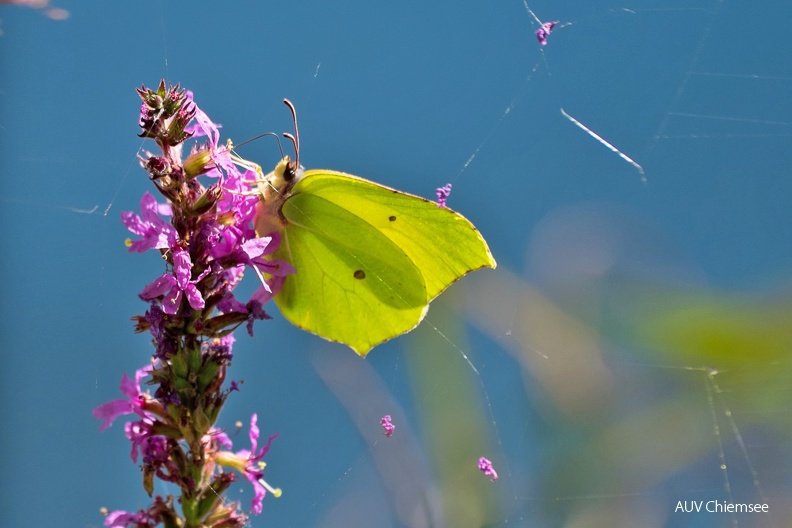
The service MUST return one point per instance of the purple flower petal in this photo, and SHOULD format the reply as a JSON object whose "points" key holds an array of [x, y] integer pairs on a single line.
{"points": [[231, 304], [108, 412], [256, 247], [203, 126], [159, 287], [194, 297], [182, 268], [172, 301], [111, 410], [122, 519], [254, 432]]}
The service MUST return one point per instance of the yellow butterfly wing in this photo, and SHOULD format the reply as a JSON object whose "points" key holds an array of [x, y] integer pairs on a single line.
{"points": [[369, 258]]}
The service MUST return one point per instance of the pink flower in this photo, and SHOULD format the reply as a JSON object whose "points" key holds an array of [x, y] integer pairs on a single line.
{"points": [[387, 425], [248, 462], [442, 194], [543, 32], [173, 285], [133, 403], [486, 466], [156, 233]]}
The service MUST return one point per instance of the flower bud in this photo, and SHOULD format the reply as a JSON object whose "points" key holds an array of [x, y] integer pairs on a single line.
{"points": [[207, 201], [165, 113], [198, 163], [157, 167]]}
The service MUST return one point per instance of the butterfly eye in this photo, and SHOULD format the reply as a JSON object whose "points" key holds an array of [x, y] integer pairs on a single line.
{"points": [[291, 171]]}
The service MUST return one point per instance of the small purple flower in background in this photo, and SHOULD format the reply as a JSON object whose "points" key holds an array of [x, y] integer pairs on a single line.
{"points": [[544, 31], [486, 467], [55, 13], [442, 194], [387, 425]]}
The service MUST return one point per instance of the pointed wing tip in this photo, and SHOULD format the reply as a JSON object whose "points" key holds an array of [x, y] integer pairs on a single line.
{"points": [[360, 352]]}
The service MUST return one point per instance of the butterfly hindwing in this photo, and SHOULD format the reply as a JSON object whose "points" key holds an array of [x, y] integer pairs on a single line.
{"points": [[353, 284]]}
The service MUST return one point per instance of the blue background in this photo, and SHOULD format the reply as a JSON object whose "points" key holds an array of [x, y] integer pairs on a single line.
{"points": [[583, 370]]}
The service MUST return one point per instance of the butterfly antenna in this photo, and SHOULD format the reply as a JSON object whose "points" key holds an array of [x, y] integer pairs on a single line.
{"points": [[273, 134], [295, 138]]}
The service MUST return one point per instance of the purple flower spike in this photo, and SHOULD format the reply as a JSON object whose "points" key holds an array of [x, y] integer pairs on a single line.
{"points": [[387, 425], [442, 194], [543, 32], [205, 234], [486, 466]]}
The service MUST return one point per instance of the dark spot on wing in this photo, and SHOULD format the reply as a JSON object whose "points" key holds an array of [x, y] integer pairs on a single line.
{"points": [[392, 218], [359, 274]]}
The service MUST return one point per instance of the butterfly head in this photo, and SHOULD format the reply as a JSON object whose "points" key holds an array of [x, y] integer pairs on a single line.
{"points": [[276, 187], [282, 178]]}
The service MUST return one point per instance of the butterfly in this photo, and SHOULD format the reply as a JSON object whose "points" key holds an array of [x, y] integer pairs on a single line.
{"points": [[369, 259]]}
